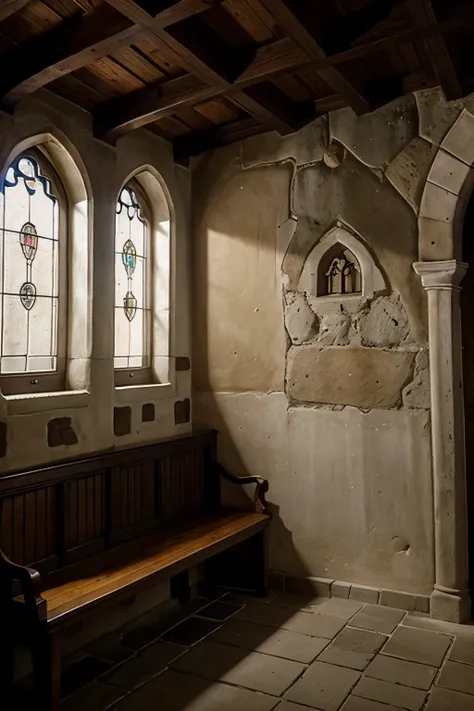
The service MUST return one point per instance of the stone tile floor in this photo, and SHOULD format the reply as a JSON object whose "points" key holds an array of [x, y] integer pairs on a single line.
{"points": [[286, 653]]}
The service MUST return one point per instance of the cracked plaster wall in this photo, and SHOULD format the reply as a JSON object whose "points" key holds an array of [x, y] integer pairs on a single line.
{"points": [[330, 403]]}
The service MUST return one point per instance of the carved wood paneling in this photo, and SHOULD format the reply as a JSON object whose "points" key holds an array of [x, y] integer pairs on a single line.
{"points": [[132, 496], [181, 482], [85, 510], [28, 526], [67, 512]]}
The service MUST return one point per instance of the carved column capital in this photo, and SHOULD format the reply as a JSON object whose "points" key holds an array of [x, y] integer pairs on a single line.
{"points": [[447, 274]]}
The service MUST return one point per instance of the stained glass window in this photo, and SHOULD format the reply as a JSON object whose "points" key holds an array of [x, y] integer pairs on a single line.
{"points": [[29, 269], [132, 302]]}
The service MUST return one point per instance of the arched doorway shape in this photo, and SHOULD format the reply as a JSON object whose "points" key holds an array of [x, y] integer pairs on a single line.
{"points": [[440, 222]]}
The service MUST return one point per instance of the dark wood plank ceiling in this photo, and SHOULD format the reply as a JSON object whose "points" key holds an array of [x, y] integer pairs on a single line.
{"points": [[203, 73]]}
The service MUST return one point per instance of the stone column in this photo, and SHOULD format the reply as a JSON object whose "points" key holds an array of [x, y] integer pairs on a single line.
{"points": [[450, 599]]}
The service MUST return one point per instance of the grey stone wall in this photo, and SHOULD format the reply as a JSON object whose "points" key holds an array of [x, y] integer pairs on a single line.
{"points": [[330, 403]]}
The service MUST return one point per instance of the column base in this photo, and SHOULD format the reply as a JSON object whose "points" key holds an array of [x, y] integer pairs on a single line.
{"points": [[452, 606]]}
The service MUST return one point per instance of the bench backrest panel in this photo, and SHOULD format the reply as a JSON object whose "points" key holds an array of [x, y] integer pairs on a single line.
{"points": [[55, 516]]}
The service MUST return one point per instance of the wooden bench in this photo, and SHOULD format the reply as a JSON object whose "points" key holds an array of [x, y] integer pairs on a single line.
{"points": [[97, 530]]}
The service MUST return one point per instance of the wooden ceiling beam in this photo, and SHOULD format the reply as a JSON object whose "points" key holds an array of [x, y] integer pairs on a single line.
{"points": [[272, 108], [296, 28], [80, 41], [195, 143], [9, 7], [77, 42], [424, 16], [117, 117], [168, 12]]}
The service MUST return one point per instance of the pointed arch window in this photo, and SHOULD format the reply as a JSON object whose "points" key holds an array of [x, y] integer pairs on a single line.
{"points": [[33, 275], [132, 356]]}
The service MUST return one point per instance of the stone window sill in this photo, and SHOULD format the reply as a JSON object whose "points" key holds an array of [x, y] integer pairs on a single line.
{"points": [[126, 394], [31, 404]]}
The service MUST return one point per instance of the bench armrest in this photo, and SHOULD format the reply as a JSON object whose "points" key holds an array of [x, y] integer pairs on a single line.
{"points": [[30, 583], [262, 486]]}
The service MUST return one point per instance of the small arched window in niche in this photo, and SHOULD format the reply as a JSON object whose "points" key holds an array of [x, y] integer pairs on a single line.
{"points": [[339, 272]]}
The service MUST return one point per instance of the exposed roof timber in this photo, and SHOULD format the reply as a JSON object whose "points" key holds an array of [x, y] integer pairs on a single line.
{"points": [[272, 108], [193, 144], [351, 27], [119, 116], [168, 11], [296, 28], [424, 15], [199, 59], [78, 42], [8, 7]]}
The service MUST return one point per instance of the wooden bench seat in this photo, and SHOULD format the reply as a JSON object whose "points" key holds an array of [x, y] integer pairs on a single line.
{"points": [[136, 565], [80, 536]]}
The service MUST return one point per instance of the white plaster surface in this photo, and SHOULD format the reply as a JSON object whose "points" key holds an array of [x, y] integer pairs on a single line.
{"points": [[343, 491], [239, 334]]}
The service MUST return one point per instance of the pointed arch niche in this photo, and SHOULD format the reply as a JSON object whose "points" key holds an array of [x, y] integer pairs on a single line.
{"points": [[340, 270]]}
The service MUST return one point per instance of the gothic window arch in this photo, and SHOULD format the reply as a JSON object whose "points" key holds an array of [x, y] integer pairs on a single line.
{"points": [[33, 274], [132, 356], [340, 269], [142, 282], [339, 272]]}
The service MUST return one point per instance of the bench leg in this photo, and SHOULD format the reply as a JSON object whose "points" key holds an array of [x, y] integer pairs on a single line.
{"points": [[242, 568], [261, 563], [46, 659]]}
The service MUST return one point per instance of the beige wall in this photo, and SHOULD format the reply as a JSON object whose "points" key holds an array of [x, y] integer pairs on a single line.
{"points": [[103, 169], [330, 402]]}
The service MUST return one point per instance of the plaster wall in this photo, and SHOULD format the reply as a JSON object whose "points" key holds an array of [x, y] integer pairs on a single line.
{"points": [[85, 419], [329, 399]]}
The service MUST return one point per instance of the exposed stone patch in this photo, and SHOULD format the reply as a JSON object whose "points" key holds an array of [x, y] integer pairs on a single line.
{"points": [[334, 154], [376, 138], [416, 395], [384, 324], [300, 321], [409, 170], [334, 329], [305, 146], [361, 377], [60, 432], [182, 411], [437, 115], [122, 421]]}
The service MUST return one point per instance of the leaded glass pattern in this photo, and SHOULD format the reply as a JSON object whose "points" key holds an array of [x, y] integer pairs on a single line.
{"points": [[132, 305], [29, 270]]}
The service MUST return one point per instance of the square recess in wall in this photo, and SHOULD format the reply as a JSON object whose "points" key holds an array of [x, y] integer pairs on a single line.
{"points": [[148, 412], [122, 421]]}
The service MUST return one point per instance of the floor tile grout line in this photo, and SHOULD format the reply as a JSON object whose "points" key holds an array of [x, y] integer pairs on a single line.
{"points": [[443, 663], [229, 683], [220, 623]]}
